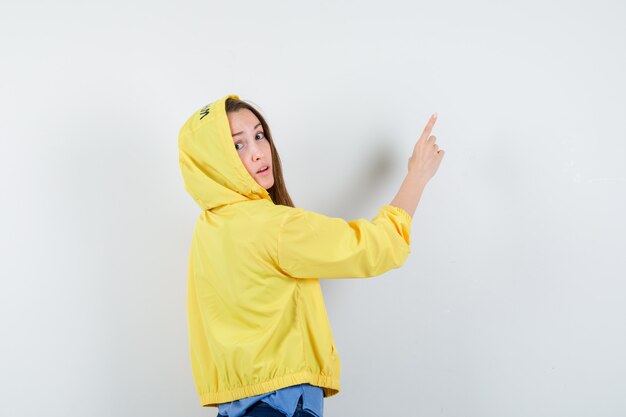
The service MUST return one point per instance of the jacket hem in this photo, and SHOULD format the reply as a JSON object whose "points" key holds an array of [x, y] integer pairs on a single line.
{"points": [[329, 384]]}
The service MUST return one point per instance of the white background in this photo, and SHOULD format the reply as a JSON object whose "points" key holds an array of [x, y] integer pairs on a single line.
{"points": [[512, 302]]}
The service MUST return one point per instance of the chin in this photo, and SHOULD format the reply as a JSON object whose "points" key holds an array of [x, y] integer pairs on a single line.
{"points": [[269, 185]]}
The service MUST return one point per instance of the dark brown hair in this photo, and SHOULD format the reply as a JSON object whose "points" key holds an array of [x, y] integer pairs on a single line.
{"points": [[278, 191]]}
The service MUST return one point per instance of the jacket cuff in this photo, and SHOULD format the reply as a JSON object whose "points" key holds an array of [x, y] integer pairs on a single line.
{"points": [[401, 211]]}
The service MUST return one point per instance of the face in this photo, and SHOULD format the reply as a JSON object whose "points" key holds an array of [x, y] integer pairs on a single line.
{"points": [[252, 146]]}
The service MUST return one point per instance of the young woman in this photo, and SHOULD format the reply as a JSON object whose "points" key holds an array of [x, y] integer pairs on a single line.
{"points": [[260, 339]]}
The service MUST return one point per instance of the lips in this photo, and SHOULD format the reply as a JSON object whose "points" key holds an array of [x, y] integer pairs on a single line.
{"points": [[261, 170]]}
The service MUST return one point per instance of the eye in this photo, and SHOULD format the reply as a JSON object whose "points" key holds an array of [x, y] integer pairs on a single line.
{"points": [[257, 136]]}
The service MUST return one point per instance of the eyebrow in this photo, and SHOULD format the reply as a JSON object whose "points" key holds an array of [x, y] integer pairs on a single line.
{"points": [[239, 133]]}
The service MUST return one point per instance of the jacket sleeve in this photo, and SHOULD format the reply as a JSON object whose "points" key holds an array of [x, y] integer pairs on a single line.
{"points": [[311, 245]]}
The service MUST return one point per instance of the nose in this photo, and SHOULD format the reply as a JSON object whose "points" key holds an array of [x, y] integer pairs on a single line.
{"points": [[257, 153]]}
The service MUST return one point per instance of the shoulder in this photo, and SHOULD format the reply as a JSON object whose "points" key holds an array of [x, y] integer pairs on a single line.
{"points": [[258, 216]]}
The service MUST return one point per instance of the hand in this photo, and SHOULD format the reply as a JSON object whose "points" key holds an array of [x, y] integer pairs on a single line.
{"points": [[426, 156]]}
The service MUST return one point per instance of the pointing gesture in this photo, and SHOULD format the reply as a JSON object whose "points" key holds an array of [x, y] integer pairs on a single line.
{"points": [[426, 156]]}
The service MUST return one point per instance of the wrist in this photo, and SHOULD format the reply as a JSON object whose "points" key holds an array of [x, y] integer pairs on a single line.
{"points": [[416, 180]]}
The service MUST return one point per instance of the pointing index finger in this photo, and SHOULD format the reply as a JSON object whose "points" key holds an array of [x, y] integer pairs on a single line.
{"points": [[429, 127]]}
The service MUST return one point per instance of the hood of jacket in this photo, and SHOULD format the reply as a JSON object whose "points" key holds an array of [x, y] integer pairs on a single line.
{"points": [[212, 171]]}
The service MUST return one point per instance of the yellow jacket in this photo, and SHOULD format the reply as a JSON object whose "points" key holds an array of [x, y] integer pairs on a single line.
{"points": [[256, 315]]}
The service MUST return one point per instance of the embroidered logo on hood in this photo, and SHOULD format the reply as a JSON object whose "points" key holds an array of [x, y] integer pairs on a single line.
{"points": [[212, 171], [204, 111]]}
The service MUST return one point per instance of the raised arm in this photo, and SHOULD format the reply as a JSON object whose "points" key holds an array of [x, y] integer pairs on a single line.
{"points": [[423, 164], [312, 245]]}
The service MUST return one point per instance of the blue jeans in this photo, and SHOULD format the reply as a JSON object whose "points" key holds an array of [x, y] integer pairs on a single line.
{"points": [[261, 409]]}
